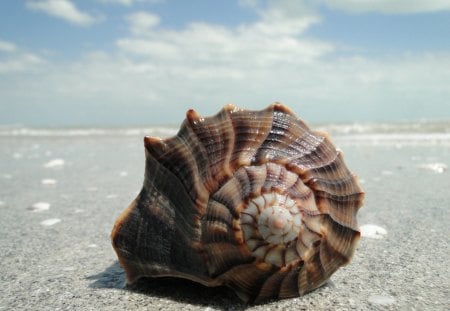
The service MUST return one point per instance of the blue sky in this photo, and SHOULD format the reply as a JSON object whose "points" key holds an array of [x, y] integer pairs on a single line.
{"points": [[144, 62]]}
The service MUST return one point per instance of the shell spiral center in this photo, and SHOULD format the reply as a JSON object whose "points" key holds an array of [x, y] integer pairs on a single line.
{"points": [[269, 222], [279, 219]]}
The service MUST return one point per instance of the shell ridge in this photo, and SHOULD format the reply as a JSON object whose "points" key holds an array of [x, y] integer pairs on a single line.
{"points": [[176, 158], [247, 279], [340, 239], [197, 149], [251, 129], [213, 133], [271, 287], [289, 285], [170, 186], [280, 145]]}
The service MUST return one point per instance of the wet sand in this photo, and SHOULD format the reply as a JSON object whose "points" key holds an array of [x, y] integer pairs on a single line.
{"points": [[60, 196]]}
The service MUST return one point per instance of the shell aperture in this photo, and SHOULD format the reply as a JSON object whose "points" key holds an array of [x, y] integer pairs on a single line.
{"points": [[253, 200]]}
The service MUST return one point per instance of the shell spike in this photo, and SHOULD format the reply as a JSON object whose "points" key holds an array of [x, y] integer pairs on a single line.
{"points": [[152, 142], [192, 116], [231, 108], [282, 108]]}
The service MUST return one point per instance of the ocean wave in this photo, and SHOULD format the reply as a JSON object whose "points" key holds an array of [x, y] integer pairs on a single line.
{"points": [[397, 139], [75, 132], [344, 134]]}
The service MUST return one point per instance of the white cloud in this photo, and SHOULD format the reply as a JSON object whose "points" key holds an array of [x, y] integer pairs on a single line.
{"points": [[158, 73], [389, 6], [63, 9], [20, 62], [275, 38], [130, 2], [142, 22], [121, 2], [16, 60], [7, 47]]}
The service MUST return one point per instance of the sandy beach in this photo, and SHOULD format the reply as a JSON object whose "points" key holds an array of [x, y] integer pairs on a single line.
{"points": [[60, 196]]}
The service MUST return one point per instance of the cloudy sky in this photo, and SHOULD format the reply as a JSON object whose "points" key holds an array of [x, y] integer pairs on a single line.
{"points": [[144, 62]]}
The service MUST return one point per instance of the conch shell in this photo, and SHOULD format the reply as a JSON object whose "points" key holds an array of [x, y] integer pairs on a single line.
{"points": [[253, 200]]}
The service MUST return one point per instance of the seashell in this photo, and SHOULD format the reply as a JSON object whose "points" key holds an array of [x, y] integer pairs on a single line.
{"points": [[253, 200]]}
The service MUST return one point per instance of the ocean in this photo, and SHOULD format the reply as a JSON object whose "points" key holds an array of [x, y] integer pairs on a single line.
{"points": [[366, 133]]}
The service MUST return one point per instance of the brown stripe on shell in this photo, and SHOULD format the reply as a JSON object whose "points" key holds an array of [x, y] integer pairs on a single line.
{"points": [[319, 151], [245, 184], [286, 180], [163, 192], [333, 170], [174, 155], [251, 129], [257, 177], [230, 195], [343, 239], [312, 275], [342, 209], [271, 286], [247, 279], [221, 257], [289, 285], [272, 176]]}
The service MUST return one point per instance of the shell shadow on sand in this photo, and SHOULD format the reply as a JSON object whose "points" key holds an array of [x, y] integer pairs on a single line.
{"points": [[179, 290]]}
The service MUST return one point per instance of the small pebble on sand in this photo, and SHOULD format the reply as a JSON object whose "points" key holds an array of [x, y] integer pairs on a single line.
{"points": [[434, 167], [39, 207], [50, 222], [381, 300], [17, 155], [372, 231], [55, 163], [68, 269], [48, 181]]}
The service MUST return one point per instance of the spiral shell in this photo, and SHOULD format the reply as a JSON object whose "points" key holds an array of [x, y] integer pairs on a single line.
{"points": [[253, 200]]}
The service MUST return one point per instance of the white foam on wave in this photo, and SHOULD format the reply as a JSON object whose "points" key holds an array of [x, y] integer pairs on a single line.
{"points": [[39, 207], [48, 181], [50, 222], [55, 163], [395, 139], [434, 167], [372, 231], [424, 133], [84, 132]]}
